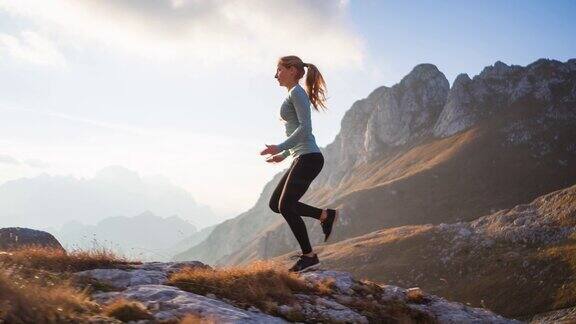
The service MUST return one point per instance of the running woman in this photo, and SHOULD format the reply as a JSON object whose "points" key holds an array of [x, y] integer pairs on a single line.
{"points": [[307, 158]]}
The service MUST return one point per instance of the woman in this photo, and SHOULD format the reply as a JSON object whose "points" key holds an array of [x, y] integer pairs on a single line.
{"points": [[308, 159]]}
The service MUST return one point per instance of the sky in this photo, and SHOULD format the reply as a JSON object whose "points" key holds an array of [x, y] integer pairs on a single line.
{"points": [[185, 89]]}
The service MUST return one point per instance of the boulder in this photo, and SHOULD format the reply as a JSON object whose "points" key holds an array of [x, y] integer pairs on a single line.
{"points": [[15, 237]]}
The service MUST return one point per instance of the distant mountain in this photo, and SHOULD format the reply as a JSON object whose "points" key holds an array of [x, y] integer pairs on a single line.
{"points": [[518, 261], [144, 236], [235, 233], [194, 239], [422, 152], [51, 201]]}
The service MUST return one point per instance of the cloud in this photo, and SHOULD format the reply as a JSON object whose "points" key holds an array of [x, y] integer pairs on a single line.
{"points": [[7, 159], [34, 163], [204, 32], [100, 134], [31, 47]]}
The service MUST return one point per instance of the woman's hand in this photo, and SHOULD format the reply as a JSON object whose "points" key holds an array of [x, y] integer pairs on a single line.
{"points": [[270, 149], [275, 158]]}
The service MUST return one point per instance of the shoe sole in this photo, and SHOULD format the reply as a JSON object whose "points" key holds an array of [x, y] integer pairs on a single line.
{"points": [[336, 214], [312, 267]]}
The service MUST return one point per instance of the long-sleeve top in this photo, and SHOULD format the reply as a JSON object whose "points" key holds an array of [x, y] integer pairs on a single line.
{"points": [[296, 111]]}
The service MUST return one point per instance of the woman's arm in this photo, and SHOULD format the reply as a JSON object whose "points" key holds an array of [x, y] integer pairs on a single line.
{"points": [[301, 103]]}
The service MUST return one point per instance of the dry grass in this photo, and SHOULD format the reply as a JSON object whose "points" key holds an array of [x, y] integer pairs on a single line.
{"points": [[127, 310], [197, 319], [52, 259], [258, 284], [326, 286], [390, 312], [26, 301], [36, 284], [564, 290], [265, 285]]}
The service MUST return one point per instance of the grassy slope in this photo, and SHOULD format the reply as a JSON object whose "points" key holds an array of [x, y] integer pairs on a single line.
{"points": [[515, 279]]}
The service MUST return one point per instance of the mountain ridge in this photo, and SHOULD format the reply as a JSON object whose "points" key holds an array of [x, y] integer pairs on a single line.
{"points": [[493, 141]]}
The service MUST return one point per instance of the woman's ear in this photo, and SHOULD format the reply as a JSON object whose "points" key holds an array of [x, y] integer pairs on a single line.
{"points": [[293, 70]]}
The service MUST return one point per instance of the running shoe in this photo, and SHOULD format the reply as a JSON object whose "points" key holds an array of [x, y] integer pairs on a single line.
{"points": [[328, 223], [305, 263]]}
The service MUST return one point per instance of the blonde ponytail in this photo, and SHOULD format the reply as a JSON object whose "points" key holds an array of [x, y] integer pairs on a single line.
{"points": [[315, 84]]}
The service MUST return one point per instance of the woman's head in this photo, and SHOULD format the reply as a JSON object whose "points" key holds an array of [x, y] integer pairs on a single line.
{"points": [[291, 69]]}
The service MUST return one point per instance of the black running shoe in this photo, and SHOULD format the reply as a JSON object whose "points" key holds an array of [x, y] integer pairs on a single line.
{"points": [[328, 223], [305, 263]]}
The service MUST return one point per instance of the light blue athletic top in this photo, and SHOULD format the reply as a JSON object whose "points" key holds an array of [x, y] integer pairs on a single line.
{"points": [[295, 111]]}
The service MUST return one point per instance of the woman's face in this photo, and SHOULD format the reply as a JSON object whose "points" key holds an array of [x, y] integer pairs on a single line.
{"points": [[285, 76]]}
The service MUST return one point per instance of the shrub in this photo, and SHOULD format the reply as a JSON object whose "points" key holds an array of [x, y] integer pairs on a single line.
{"points": [[258, 284], [127, 310], [25, 301], [48, 258]]}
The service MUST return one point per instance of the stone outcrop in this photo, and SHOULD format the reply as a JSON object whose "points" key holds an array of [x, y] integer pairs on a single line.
{"points": [[15, 237], [146, 283]]}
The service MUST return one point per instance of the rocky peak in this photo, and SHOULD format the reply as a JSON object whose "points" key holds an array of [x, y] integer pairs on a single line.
{"points": [[498, 70], [392, 116], [498, 88], [461, 80], [423, 72], [423, 103]]}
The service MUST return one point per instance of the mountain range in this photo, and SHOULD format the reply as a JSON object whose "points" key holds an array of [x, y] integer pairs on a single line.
{"points": [[113, 191], [412, 160]]}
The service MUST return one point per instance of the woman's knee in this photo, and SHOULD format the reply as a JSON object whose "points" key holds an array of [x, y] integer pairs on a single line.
{"points": [[285, 208], [273, 204]]}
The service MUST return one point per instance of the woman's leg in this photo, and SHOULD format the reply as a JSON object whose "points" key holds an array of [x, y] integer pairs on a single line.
{"points": [[300, 175], [275, 197], [302, 209]]}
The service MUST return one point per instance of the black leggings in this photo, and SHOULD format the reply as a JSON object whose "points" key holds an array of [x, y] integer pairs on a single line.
{"points": [[292, 186]]}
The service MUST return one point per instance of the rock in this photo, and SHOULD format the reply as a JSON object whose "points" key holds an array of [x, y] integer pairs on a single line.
{"points": [[145, 273], [15, 237], [174, 304], [437, 307], [284, 309], [393, 293], [122, 279], [322, 309], [343, 299], [451, 312], [343, 280], [170, 267]]}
